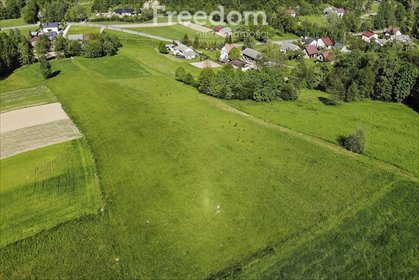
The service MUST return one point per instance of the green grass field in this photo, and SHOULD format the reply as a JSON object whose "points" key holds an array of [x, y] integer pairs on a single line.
{"points": [[83, 29], [193, 188], [22, 98], [12, 22], [392, 129], [316, 19], [46, 187], [176, 32]]}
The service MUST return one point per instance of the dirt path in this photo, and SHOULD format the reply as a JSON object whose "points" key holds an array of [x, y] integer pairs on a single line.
{"points": [[320, 142], [32, 116]]}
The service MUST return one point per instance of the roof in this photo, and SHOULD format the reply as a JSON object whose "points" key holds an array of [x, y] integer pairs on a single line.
{"points": [[237, 63], [381, 41], [217, 28], [292, 11], [34, 39], [328, 10], [327, 41], [392, 30], [289, 46], [253, 54], [402, 38], [368, 34], [311, 50], [340, 10], [339, 46], [51, 35], [226, 30], [229, 47], [187, 51], [50, 25], [75, 37], [328, 56], [124, 11], [308, 40]]}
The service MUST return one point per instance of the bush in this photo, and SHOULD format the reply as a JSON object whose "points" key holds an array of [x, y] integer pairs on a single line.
{"points": [[162, 48], [355, 142], [180, 74]]}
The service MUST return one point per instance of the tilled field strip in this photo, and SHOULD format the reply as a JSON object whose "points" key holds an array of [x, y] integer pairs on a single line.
{"points": [[32, 116]]}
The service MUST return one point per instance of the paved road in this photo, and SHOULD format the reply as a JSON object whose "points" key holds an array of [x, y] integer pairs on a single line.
{"points": [[117, 28]]}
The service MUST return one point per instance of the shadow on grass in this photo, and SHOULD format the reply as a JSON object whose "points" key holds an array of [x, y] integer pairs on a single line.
{"points": [[341, 139], [327, 101], [54, 74]]}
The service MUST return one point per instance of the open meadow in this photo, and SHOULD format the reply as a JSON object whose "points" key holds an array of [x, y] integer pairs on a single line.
{"points": [[194, 188]]}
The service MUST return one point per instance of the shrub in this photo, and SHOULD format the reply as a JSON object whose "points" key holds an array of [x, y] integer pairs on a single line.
{"points": [[162, 48], [180, 74], [355, 142]]}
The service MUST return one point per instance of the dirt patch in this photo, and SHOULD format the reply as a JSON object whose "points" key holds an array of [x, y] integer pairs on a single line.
{"points": [[30, 138], [206, 64], [196, 27], [32, 116]]}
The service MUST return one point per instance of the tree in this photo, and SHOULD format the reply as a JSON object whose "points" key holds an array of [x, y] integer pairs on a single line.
{"points": [[406, 79], [289, 92], [60, 46], [9, 54], [185, 39], [30, 11], [196, 43], [73, 48], [42, 46], [162, 48], [234, 54], [76, 13], [93, 49], [25, 53], [352, 93], [180, 74], [355, 142], [45, 67], [204, 80]]}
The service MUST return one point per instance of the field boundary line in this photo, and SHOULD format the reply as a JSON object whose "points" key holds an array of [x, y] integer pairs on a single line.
{"points": [[320, 142]]}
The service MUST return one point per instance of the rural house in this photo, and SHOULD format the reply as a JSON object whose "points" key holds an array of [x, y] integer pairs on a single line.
{"points": [[340, 12], [226, 31], [307, 41], [326, 57], [401, 38], [328, 11], [225, 51], [324, 42], [341, 47], [50, 27], [251, 54], [392, 31], [184, 51], [368, 35], [124, 12], [310, 52], [34, 40], [292, 12]]}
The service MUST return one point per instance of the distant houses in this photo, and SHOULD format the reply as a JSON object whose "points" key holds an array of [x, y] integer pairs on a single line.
{"points": [[324, 42], [223, 31], [225, 51], [340, 12], [124, 12]]}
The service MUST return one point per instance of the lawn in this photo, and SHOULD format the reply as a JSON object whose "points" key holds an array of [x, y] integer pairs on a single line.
{"points": [[392, 129], [190, 186], [83, 29], [26, 97], [317, 19], [12, 22], [46, 187], [176, 32]]}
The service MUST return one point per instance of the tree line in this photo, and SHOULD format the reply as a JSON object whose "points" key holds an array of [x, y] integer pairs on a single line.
{"points": [[18, 51], [262, 85]]}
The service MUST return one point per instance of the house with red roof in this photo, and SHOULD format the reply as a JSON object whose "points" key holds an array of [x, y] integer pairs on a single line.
{"points": [[390, 31], [310, 52], [367, 36], [326, 57], [34, 40], [325, 42], [217, 29], [340, 12], [292, 12]]}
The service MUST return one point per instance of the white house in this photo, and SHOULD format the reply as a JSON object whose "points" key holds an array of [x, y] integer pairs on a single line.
{"points": [[225, 51], [368, 36], [184, 51], [50, 27]]}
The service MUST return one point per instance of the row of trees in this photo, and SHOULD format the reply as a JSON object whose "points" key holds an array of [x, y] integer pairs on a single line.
{"points": [[391, 74], [262, 85], [15, 51]]}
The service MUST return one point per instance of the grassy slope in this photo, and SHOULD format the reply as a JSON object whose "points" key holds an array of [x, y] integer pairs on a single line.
{"points": [[392, 129], [176, 32], [168, 158], [45, 187], [12, 22], [22, 98], [382, 239], [83, 29]]}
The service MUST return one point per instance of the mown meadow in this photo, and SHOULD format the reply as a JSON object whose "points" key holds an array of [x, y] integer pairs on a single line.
{"points": [[193, 188]]}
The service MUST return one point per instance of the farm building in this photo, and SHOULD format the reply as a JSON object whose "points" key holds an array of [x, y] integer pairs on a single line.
{"points": [[225, 51], [324, 42], [184, 51], [251, 54]]}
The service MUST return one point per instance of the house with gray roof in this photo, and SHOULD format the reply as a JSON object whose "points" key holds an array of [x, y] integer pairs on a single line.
{"points": [[184, 51], [251, 54], [75, 37], [50, 27], [287, 46]]}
